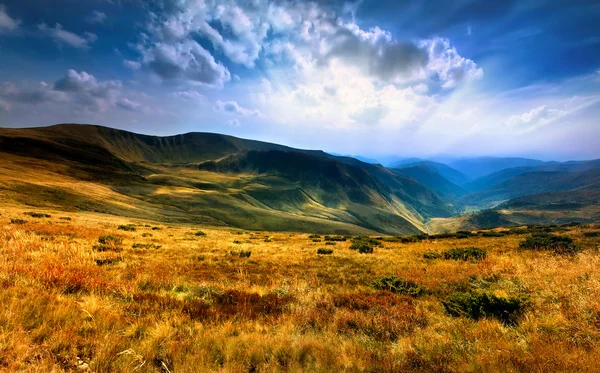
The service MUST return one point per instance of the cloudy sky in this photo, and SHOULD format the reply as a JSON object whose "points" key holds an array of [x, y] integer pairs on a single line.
{"points": [[371, 78]]}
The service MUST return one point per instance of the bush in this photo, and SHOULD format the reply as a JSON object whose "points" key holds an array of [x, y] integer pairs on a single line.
{"points": [[397, 285], [314, 236], [65, 218], [324, 251], [199, 233], [466, 253], [548, 241], [335, 238], [127, 228], [145, 246], [156, 228], [463, 234], [432, 255], [316, 240], [107, 243], [329, 243], [362, 247], [240, 253], [414, 238], [17, 221], [591, 234], [37, 215], [481, 305], [108, 261], [493, 234], [146, 234]]}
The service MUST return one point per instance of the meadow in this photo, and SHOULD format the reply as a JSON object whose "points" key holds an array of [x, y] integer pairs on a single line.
{"points": [[89, 292]]}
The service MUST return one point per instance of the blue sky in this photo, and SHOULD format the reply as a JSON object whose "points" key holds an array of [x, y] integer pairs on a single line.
{"points": [[375, 78]]}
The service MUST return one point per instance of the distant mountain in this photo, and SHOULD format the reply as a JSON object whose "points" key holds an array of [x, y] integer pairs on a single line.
{"points": [[533, 183], [359, 157], [444, 170], [432, 179], [507, 174], [475, 168]]}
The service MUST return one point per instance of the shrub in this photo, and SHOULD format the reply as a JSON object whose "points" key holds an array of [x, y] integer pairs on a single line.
{"points": [[65, 218], [591, 234], [37, 215], [493, 234], [156, 228], [324, 251], [397, 285], [127, 228], [329, 243], [414, 238], [145, 246], [314, 236], [268, 239], [335, 238], [17, 221], [517, 231], [362, 247], [432, 255], [107, 243], [146, 234], [481, 305], [548, 241], [108, 261], [463, 234], [466, 253], [316, 240], [199, 233], [241, 253]]}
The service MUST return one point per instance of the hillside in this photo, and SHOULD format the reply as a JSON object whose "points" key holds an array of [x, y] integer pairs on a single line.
{"points": [[170, 178], [478, 167], [442, 169], [432, 179]]}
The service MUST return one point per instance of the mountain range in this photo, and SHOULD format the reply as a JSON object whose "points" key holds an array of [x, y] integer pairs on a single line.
{"points": [[223, 180]]}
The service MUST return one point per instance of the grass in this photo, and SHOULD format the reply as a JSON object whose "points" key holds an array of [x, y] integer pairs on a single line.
{"points": [[192, 306]]}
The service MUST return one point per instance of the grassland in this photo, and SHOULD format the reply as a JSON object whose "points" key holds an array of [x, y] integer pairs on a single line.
{"points": [[92, 292]]}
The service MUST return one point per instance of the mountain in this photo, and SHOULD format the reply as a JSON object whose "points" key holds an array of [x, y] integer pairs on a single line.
{"points": [[533, 183], [442, 169], [432, 179], [210, 178], [507, 174], [475, 168]]}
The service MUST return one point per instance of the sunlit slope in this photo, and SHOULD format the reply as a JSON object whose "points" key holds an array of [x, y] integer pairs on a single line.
{"points": [[169, 178]]}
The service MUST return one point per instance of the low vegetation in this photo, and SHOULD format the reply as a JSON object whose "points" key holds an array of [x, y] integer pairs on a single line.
{"points": [[83, 295], [127, 227], [550, 242]]}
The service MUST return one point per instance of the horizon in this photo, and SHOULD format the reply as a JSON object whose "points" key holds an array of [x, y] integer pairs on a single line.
{"points": [[365, 79]]}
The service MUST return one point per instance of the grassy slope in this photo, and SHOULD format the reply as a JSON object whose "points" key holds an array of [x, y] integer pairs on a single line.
{"points": [[190, 306], [160, 173]]}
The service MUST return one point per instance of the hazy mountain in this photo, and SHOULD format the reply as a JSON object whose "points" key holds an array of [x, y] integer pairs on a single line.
{"points": [[432, 179], [443, 169], [478, 167]]}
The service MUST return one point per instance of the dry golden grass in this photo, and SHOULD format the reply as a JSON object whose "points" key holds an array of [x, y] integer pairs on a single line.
{"points": [[191, 306]]}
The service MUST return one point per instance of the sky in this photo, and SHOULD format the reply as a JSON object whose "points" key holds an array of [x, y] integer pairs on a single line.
{"points": [[372, 78]]}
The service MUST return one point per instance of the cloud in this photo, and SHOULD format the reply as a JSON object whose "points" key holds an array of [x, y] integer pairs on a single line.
{"points": [[233, 123], [185, 61], [127, 104], [96, 17], [30, 94], [232, 107], [189, 96], [536, 117], [82, 82], [60, 35], [133, 65], [4, 106], [7, 23]]}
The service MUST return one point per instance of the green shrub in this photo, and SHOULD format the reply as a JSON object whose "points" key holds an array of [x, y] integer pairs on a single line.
{"points": [[145, 246], [127, 228], [397, 285], [362, 247], [156, 228], [17, 221], [107, 243], [316, 240], [329, 243], [463, 234], [268, 239], [146, 234], [37, 215], [432, 255], [551, 242], [517, 231], [466, 253], [414, 238], [314, 236], [481, 305], [591, 234], [442, 235], [492, 234], [324, 251], [335, 238], [65, 218], [241, 253], [199, 233]]}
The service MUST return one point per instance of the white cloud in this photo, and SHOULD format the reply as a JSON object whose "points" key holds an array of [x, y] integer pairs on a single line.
{"points": [[4, 106], [133, 65], [189, 96], [233, 107], [536, 117], [233, 123], [60, 35], [127, 104], [7, 23], [97, 17]]}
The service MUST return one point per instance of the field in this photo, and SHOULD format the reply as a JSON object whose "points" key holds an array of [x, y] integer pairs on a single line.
{"points": [[156, 297]]}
